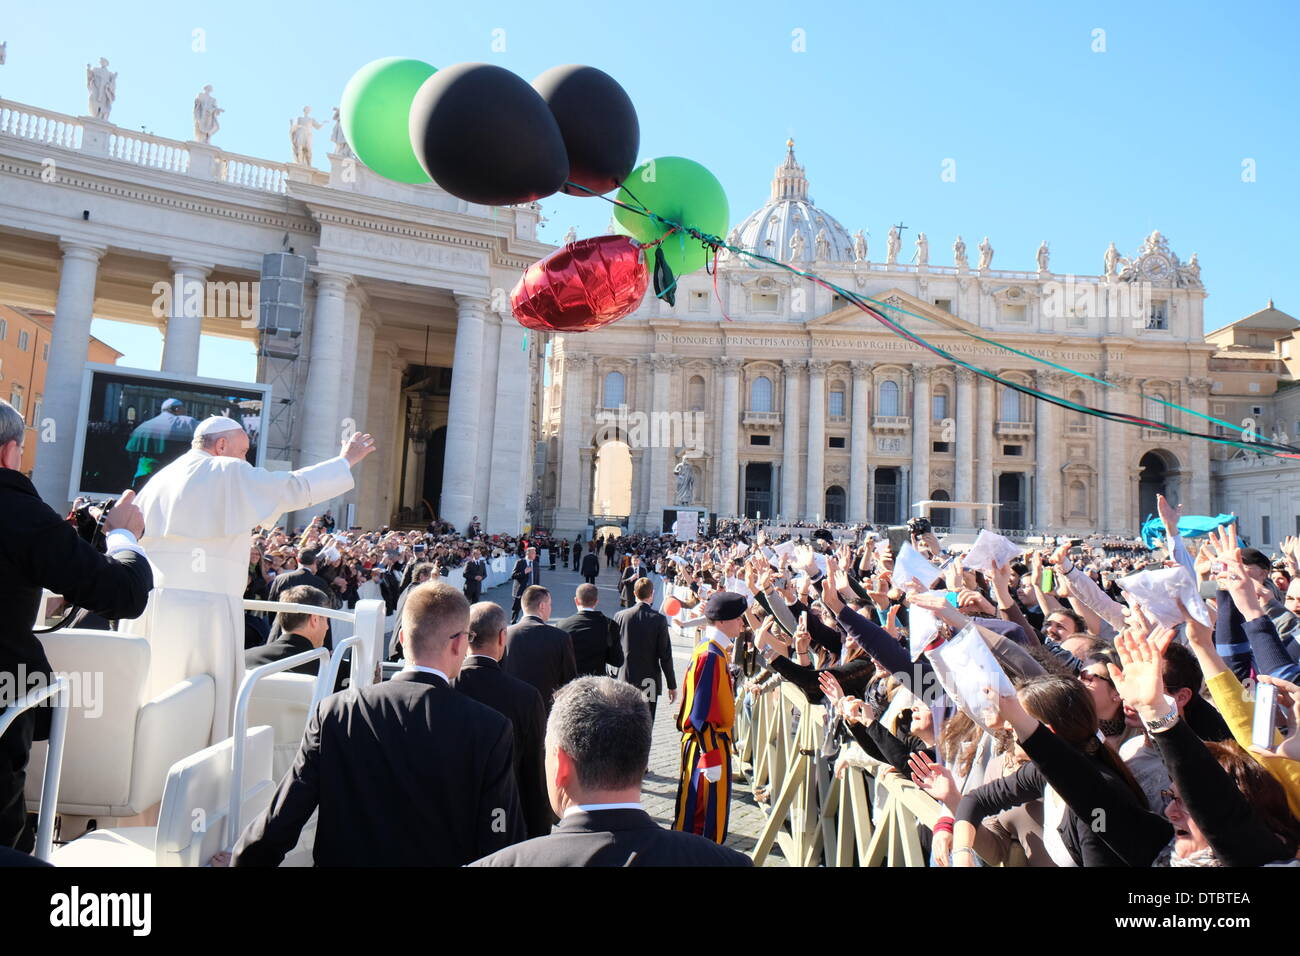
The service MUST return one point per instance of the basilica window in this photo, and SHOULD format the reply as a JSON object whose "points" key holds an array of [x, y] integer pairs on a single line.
{"points": [[1078, 498], [939, 404], [614, 390], [695, 393], [760, 394], [1158, 317], [1011, 405], [1156, 410], [837, 403], [888, 398]]}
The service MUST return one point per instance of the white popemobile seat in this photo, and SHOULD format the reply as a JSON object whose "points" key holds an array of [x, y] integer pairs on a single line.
{"points": [[192, 821], [119, 744]]}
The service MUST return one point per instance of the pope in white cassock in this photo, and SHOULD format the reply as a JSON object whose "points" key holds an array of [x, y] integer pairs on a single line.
{"points": [[199, 512]]}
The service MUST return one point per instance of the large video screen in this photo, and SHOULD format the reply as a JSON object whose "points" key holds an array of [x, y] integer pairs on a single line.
{"points": [[135, 422]]}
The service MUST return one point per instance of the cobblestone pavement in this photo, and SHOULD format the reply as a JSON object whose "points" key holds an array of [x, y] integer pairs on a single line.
{"points": [[659, 793]]}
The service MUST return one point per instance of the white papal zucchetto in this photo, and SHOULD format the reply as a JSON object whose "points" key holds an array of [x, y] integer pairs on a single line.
{"points": [[216, 425]]}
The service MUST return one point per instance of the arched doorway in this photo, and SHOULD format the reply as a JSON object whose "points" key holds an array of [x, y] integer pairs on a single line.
{"points": [[758, 489], [1011, 497], [611, 487], [1154, 474], [835, 503], [940, 517]]}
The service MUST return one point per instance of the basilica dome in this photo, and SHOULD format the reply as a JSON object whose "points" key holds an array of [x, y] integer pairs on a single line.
{"points": [[789, 213]]}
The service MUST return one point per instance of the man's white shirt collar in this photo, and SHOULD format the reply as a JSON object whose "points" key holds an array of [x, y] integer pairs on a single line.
{"points": [[426, 670], [592, 807], [712, 633]]}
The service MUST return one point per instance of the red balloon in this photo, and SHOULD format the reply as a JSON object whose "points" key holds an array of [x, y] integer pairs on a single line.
{"points": [[582, 285], [672, 606]]}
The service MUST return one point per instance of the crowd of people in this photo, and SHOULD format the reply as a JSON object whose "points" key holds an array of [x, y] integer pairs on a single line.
{"points": [[1075, 703]]}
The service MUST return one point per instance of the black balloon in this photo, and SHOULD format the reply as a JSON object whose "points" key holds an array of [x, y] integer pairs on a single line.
{"points": [[598, 123], [486, 136]]}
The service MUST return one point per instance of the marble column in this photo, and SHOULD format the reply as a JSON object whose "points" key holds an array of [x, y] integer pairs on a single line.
{"points": [[921, 413], [464, 427], [63, 376], [508, 482], [964, 452], [638, 482], [1117, 517], [790, 448], [659, 438], [185, 322], [1197, 490], [985, 424], [375, 471], [728, 503], [1047, 439], [815, 499], [860, 439], [322, 428], [576, 402]]}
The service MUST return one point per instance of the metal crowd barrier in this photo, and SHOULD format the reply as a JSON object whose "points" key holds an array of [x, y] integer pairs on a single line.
{"points": [[869, 817]]}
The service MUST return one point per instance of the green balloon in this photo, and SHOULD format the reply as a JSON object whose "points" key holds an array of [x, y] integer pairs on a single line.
{"points": [[680, 190], [375, 112]]}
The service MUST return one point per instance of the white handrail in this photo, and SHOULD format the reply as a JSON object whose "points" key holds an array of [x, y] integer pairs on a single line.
{"points": [[240, 743], [53, 759]]}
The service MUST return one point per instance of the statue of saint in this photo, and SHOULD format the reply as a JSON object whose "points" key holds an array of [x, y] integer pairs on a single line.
{"points": [[1042, 256], [892, 245], [102, 85], [206, 112], [822, 245], [300, 133], [859, 246], [339, 138], [1111, 259], [685, 473], [959, 254], [986, 254], [571, 235], [922, 249], [798, 247]]}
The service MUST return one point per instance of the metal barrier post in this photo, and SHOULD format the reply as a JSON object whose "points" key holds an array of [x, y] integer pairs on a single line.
{"points": [[57, 689]]}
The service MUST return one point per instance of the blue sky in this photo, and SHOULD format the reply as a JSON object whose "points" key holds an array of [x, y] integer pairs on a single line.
{"points": [[1050, 139]]}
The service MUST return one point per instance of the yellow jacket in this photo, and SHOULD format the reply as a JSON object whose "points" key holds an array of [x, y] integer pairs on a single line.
{"points": [[1239, 714]]}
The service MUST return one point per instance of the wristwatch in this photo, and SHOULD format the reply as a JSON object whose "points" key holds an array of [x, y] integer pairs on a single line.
{"points": [[1165, 722]]}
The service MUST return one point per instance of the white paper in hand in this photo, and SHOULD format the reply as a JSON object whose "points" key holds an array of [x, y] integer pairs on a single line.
{"points": [[1158, 592], [990, 548], [784, 549], [965, 666], [911, 565], [922, 626]]}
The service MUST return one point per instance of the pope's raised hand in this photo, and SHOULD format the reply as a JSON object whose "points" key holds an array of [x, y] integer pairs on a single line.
{"points": [[356, 448]]}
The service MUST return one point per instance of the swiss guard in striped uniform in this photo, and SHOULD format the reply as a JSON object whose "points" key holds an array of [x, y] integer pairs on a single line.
{"points": [[708, 708]]}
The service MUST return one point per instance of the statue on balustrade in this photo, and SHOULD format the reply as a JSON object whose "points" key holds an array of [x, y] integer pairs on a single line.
{"points": [[102, 84], [339, 138], [798, 246], [1111, 259], [206, 112], [959, 254], [300, 133], [859, 246], [986, 254], [1042, 256], [922, 249], [892, 245]]}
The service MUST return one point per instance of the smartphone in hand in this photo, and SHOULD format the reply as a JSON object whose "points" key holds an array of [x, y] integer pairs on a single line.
{"points": [[1265, 724]]}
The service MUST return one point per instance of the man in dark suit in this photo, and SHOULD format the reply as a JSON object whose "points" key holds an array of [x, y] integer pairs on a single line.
{"points": [[596, 639], [39, 549], [298, 632], [647, 648], [537, 652], [609, 551], [475, 572], [590, 567], [631, 574], [406, 772], [526, 574], [597, 751], [482, 679], [577, 551], [305, 573]]}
